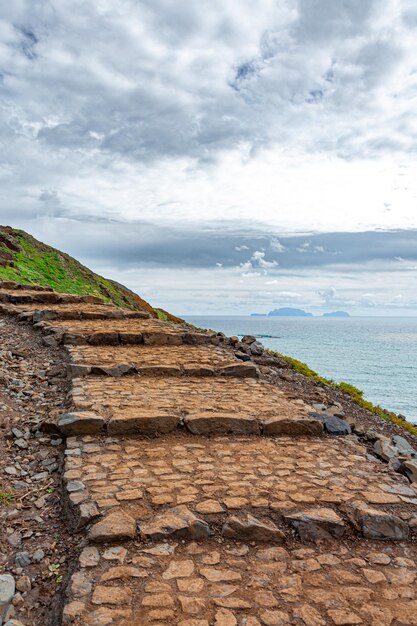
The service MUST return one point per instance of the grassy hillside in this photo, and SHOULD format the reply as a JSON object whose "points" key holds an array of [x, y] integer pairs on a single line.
{"points": [[24, 259]]}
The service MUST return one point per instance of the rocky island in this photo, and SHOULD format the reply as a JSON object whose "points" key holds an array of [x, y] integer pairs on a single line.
{"points": [[155, 473]]}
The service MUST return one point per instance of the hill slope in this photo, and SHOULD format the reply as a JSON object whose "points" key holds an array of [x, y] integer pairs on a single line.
{"points": [[24, 259]]}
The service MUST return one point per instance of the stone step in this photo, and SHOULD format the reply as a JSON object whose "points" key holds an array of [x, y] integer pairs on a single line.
{"points": [[30, 296], [322, 488], [231, 584], [205, 406], [82, 311], [156, 360], [10, 285], [125, 332]]}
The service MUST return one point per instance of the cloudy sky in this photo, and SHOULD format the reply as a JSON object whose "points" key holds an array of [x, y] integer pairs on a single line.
{"points": [[220, 156]]}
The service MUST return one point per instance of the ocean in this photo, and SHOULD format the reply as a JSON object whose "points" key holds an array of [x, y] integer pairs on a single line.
{"points": [[376, 354]]}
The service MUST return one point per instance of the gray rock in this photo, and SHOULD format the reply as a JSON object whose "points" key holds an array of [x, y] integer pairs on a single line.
{"points": [[385, 449], [336, 426], [75, 485], [256, 348], [11, 470], [242, 355], [38, 555], [14, 622], [316, 524], [22, 559], [403, 447], [409, 468], [377, 524], [252, 529], [7, 588], [319, 407], [81, 423], [18, 434], [21, 443], [88, 511]]}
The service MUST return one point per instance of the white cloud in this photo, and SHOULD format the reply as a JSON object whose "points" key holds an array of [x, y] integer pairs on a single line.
{"points": [[243, 115]]}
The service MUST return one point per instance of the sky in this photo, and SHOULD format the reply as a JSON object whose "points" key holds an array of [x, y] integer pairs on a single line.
{"points": [[220, 156]]}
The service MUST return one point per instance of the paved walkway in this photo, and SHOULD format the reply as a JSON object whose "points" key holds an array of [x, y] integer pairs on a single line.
{"points": [[203, 495]]}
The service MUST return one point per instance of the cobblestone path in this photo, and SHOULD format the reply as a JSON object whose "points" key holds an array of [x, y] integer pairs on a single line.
{"points": [[203, 495]]}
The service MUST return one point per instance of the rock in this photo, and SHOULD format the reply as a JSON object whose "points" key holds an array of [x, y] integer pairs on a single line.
{"points": [[38, 555], [409, 468], [341, 617], [336, 426], [22, 559], [123, 572], [176, 522], [212, 424], [21, 443], [7, 588], [224, 617], [75, 485], [179, 569], [403, 447], [252, 529], [256, 348], [385, 450], [248, 339], [14, 622], [116, 526], [80, 423], [23, 584], [316, 524], [292, 427], [377, 524], [89, 557], [111, 595], [319, 407], [87, 512], [242, 355]]}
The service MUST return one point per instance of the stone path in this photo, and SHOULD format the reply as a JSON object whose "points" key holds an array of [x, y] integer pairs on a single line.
{"points": [[200, 584], [169, 361], [186, 515]]}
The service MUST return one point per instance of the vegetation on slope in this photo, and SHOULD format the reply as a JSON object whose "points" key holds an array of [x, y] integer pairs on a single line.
{"points": [[26, 260], [355, 394]]}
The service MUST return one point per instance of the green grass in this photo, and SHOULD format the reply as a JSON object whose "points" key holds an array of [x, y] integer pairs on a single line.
{"points": [[6, 497], [353, 392], [37, 263]]}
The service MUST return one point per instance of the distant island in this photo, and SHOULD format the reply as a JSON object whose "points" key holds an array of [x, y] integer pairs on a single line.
{"points": [[285, 312], [336, 314], [290, 312]]}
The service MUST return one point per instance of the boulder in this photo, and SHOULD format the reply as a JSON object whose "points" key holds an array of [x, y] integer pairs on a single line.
{"points": [[409, 468], [256, 348], [336, 426], [377, 524], [385, 449], [7, 589], [80, 423], [248, 339], [403, 447], [316, 524], [115, 526], [176, 522], [252, 529]]}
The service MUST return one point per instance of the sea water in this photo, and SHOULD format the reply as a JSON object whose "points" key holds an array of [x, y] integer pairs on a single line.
{"points": [[376, 354]]}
